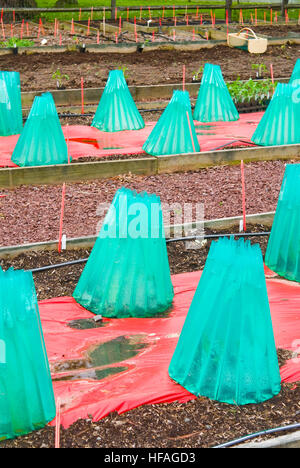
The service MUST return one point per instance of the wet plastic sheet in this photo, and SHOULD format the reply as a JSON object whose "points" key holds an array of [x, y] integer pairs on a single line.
{"points": [[87, 141], [146, 381]]}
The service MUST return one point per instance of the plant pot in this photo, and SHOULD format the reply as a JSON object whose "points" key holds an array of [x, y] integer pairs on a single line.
{"points": [[140, 47]]}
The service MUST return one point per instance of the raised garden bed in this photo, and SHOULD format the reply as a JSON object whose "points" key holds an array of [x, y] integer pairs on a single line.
{"points": [[219, 188], [198, 423], [157, 67]]}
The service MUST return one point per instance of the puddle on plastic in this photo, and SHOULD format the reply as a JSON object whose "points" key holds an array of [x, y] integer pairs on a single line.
{"points": [[103, 144], [202, 126], [93, 374], [105, 354], [86, 324]]}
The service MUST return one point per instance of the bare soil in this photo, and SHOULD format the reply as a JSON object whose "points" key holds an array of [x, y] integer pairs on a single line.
{"points": [[62, 281], [147, 68], [200, 423], [275, 31]]}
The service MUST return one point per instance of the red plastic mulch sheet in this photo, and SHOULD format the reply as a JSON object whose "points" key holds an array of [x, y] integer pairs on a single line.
{"points": [[85, 141], [139, 351]]}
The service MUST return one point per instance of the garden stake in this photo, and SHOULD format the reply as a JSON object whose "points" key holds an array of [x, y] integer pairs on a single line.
{"points": [[104, 21], [141, 8], [201, 19], [116, 14], [265, 20], [174, 35], [188, 117], [88, 28], [241, 18], [175, 21], [42, 27], [3, 32], [251, 18], [149, 12], [57, 424], [22, 27], [193, 34], [68, 144], [183, 78], [227, 17], [61, 216], [14, 16], [255, 16], [206, 35], [271, 16], [243, 194], [152, 36], [11, 30], [276, 16], [127, 14], [116, 37], [60, 40], [72, 26], [55, 27], [2, 15], [79, 16], [197, 12], [82, 97], [187, 20]]}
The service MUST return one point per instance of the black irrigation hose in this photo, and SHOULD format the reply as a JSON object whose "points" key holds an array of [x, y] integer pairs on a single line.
{"points": [[178, 239], [257, 434]]}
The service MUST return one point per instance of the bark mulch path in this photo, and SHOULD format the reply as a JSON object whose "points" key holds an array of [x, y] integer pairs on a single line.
{"points": [[31, 214], [157, 67]]}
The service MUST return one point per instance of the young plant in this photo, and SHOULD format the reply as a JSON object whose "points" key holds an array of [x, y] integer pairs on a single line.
{"points": [[125, 70], [197, 73], [16, 42], [260, 68], [60, 78], [246, 91]]}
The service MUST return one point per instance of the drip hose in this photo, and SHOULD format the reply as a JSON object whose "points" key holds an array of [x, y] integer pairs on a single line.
{"points": [[257, 434], [178, 239]]}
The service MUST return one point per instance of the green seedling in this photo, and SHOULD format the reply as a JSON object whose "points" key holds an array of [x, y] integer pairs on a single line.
{"points": [[125, 72], [197, 73], [260, 68], [60, 78], [16, 42], [251, 90]]}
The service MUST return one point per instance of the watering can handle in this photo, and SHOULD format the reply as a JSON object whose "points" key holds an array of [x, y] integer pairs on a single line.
{"points": [[248, 29]]}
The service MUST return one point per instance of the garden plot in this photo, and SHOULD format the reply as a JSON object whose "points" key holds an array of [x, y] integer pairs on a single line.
{"points": [[29, 34], [157, 67]]}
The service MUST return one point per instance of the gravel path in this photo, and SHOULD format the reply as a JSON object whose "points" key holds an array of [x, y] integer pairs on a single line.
{"points": [[31, 214]]}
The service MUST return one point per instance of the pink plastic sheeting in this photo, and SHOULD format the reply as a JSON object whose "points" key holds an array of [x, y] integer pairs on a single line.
{"points": [[146, 381], [87, 141]]}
